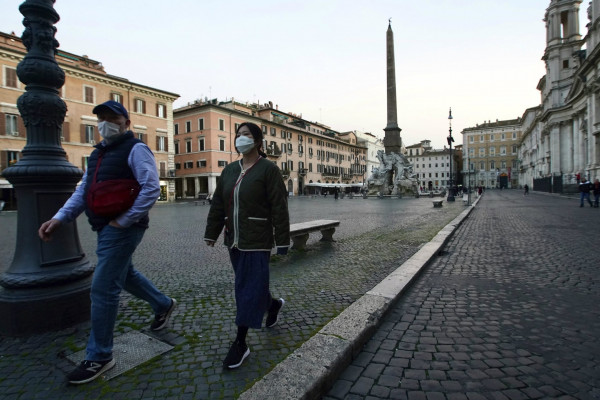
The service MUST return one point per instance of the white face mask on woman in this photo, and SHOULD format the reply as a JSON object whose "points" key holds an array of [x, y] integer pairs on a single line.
{"points": [[244, 144], [108, 129]]}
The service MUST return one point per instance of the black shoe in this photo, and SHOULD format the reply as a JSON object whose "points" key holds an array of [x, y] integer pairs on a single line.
{"points": [[87, 371], [161, 320], [236, 356], [273, 315]]}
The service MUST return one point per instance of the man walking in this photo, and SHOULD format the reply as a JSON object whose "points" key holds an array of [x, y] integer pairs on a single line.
{"points": [[119, 155], [584, 187]]}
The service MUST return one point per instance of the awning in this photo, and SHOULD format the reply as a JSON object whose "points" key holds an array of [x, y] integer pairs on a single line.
{"points": [[331, 185]]}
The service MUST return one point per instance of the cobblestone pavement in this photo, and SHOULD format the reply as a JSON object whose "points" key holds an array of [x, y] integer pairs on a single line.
{"points": [[375, 237], [509, 310]]}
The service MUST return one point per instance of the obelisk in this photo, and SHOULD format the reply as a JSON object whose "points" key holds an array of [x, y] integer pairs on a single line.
{"points": [[392, 140]]}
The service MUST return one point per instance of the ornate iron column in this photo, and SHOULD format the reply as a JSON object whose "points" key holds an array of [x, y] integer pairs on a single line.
{"points": [[47, 284], [450, 140]]}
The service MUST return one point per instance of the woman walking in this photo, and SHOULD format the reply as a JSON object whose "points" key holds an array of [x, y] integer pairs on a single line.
{"points": [[250, 202]]}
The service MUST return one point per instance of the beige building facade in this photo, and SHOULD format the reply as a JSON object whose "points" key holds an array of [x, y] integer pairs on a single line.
{"points": [[490, 154], [312, 157], [86, 84]]}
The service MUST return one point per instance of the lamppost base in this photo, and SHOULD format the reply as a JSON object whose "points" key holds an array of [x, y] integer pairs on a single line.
{"points": [[30, 311], [450, 198]]}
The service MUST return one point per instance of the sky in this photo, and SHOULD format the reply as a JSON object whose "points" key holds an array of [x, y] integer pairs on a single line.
{"points": [[324, 59]]}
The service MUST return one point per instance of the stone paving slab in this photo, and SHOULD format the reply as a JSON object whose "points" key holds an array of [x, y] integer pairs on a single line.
{"points": [[131, 349], [508, 310], [375, 236]]}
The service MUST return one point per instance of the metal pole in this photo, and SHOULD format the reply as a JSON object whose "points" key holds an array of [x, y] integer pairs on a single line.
{"points": [[450, 140]]}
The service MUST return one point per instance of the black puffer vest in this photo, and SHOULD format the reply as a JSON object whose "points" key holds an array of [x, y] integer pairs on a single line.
{"points": [[113, 166]]}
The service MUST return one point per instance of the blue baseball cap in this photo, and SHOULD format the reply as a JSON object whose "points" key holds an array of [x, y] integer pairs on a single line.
{"points": [[113, 106]]}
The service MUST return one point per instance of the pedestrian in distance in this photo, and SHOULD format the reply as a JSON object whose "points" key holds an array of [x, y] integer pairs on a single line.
{"points": [[596, 190], [584, 188], [525, 190], [119, 155], [250, 203]]}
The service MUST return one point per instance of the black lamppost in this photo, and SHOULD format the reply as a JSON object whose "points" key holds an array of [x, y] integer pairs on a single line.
{"points": [[450, 140], [47, 284]]}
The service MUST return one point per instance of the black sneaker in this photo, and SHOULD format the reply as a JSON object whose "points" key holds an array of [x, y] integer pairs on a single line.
{"points": [[161, 320], [236, 356], [87, 371], [273, 314]]}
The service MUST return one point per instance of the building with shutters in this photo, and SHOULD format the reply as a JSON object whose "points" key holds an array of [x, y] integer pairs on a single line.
{"points": [[312, 157], [86, 84]]}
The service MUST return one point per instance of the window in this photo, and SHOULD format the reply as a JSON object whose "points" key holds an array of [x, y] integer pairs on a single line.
{"points": [[188, 165], [290, 165], [503, 150], [514, 135], [89, 134], [503, 136], [503, 164], [222, 163], [177, 166], [481, 151], [139, 106], [13, 158], [481, 138], [515, 164], [471, 139], [283, 165], [273, 131], [201, 144], [492, 137], [482, 165], [289, 135], [140, 136], [11, 125], [565, 64], [492, 164], [200, 124], [161, 111], [160, 143], [300, 165], [222, 144], [201, 163], [492, 151], [471, 152], [188, 126], [188, 146], [514, 149], [290, 148], [309, 167], [309, 140], [264, 129], [10, 77], [118, 97], [176, 132], [283, 135], [221, 124], [88, 94], [177, 147]]}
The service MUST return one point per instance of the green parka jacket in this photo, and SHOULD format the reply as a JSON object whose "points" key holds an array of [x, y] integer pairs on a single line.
{"points": [[250, 206]]}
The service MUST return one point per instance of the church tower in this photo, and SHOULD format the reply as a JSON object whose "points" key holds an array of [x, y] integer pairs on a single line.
{"points": [[563, 43], [392, 140]]}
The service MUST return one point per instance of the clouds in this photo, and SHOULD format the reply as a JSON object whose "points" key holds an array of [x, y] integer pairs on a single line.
{"points": [[325, 60]]}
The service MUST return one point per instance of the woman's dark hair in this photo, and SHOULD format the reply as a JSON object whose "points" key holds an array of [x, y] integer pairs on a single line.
{"points": [[257, 134]]}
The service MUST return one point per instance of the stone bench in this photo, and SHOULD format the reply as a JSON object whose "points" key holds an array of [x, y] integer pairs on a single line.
{"points": [[437, 203], [299, 232]]}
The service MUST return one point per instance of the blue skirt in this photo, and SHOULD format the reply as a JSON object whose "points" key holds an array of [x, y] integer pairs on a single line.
{"points": [[252, 296]]}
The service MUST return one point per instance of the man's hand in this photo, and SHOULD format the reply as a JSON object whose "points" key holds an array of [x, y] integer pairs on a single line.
{"points": [[47, 228], [115, 224]]}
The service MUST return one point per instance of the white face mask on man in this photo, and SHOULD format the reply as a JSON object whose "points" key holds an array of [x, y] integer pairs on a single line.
{"points": [[108, 129], [244, 144]]}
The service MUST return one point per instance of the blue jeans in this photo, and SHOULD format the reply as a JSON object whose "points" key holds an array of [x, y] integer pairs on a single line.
{"points": [[114, 273], [585, 196]]}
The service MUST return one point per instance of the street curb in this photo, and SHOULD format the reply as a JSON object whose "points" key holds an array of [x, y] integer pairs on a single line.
{"points": [[314, 367]]}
